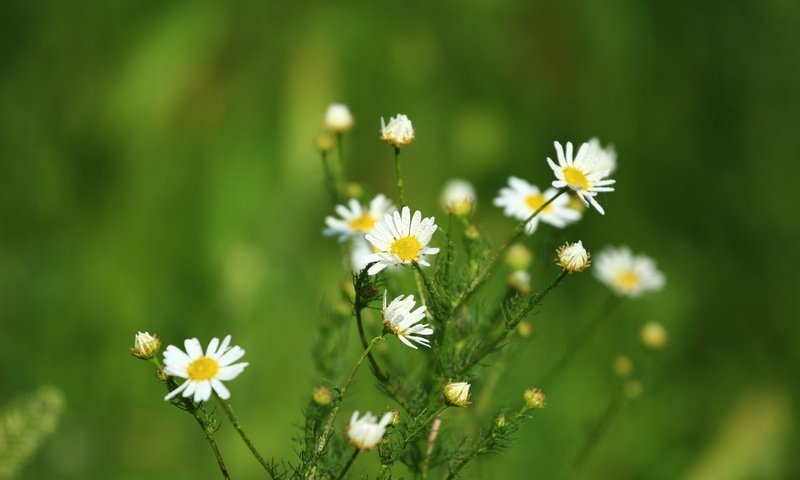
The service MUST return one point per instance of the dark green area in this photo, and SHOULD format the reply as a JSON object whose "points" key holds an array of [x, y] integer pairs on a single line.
{"points": [[156, 173]]}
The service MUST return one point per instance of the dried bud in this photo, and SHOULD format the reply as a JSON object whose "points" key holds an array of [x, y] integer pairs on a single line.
{"points": [[145, 346], [322, 396], [654, 335], [518, 257], [457, 393], [572, 257], [534, 398]]}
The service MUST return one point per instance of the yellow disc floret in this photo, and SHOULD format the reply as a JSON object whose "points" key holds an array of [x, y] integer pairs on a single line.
{"points": [[536, 200], [364, 223], [576, 178], [406, 248], [628, 280], [204, 368]]}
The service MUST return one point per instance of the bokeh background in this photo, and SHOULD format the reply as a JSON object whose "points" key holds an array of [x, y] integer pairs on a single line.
{"points": [[157, 173]]}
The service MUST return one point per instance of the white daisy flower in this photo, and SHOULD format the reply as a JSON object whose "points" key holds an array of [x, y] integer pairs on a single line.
{"points": [[338, 118], [521, 199], [580, 174], [458, 197], [627, 274], [203, 372], [457, 393], [360, 254], [605, 159], [401, 321], [366, 433], [402, 239], [398, 132], [356, 220]]}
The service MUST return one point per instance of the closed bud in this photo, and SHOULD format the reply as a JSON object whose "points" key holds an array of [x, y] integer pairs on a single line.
{"points": [[518, 257], [633, 389], [145, 346], [501, 422], [323, 142], [572, 257], [525, 329], [456, 394], [519, 280], [353, 190], [472, 232], [395, 418], [322, 396], [458, 198], [338, 118], [654, 335], [623, 365]]}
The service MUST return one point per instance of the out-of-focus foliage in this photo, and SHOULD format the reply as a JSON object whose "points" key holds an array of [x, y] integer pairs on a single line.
{"points": [[156, 173]]}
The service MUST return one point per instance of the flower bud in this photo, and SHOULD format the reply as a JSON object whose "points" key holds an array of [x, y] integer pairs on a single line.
{"points": [[458, 198], [622, 366], [398, 132], [145, 346], [534, 398], [353, 190], [472, 232], [633, 389], [525, 329], [395, 418], [518, 257], [654, 335], [323, 142], [322, 396], [501, 421], [338, 118], [572, 257], [456, 394], [519, 280]]}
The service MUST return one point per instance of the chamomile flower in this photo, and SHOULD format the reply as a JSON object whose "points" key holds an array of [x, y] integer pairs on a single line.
{"points": [[366, 433], [521, 199], [203, 372], [580, 174], [627, 274], [458, 197], [398, 132], [357, 220], [399, 319], [605, 159], [456, 394], [401, 239]]}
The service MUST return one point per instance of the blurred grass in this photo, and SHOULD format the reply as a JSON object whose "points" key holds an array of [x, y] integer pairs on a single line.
{"points": [[156, 173]]}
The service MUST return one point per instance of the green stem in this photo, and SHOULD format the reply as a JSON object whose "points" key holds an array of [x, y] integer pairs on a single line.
{"points": [[328, 429], [594, 437], [490, 264], [580, 341], [235, 422], [348, 464], [399, 176], [340, 177], [330, 179]]}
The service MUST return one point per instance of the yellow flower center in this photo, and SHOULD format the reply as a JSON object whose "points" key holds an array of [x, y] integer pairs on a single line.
{"points": [[628, 281], [576, 179], [364, 223], [204, 368], [406, 248], [536, 200]]}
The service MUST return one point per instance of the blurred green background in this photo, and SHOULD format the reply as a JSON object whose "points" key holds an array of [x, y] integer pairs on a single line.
{"points": [[156, 173]]}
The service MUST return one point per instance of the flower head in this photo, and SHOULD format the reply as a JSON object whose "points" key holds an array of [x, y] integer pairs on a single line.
{"points": [[338, 118], [398, 132], [322, 396], [145, 346], [203, 372], [518, 257], [399, 319], [654, 335], [521, 199], [357, 220], [534, 398], [572, 257], [366, 433], [458, 197], [401, 239], [627, 274], [580, 174], [456, 394], [605, 159]]}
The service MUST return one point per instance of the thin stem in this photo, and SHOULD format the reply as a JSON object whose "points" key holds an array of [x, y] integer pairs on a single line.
{"points": [[490, 264], [330, 180], [428, 285], [347, 465], [435, 426], [489, 346], [213, 443], [399, 176], [235, 422], [340, 177], [328, 429], [581, 340], [594, 437]]}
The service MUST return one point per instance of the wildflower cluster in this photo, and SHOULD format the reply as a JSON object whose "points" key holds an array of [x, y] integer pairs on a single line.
{"points": [[414, 279]]}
